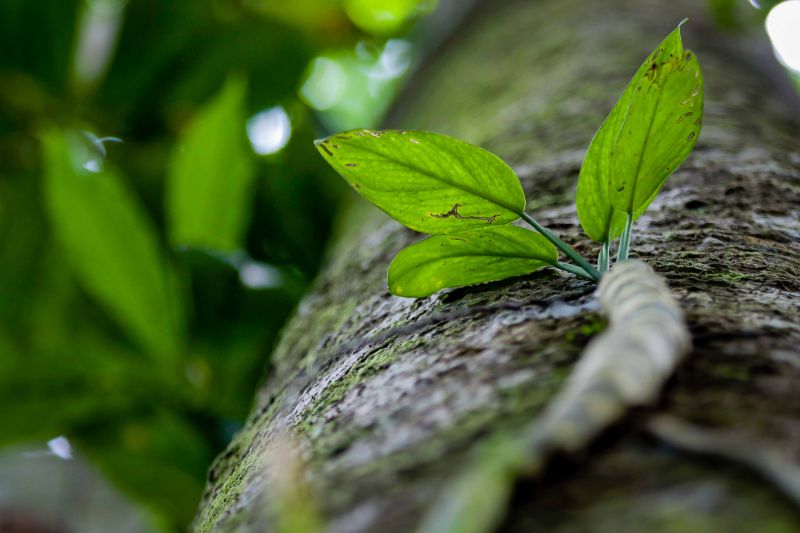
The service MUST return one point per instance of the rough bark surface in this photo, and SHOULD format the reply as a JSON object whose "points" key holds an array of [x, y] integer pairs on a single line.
{"points": [[387, 396]]}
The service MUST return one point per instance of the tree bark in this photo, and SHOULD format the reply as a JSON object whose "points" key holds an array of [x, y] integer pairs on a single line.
{"points": [[387, 397]]}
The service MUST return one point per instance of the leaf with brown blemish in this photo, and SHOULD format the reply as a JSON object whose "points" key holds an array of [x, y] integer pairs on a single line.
{"points": [[427, 181], [642, 141]]}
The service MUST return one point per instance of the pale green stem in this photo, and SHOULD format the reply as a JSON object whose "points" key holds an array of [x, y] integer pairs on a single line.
{"points": [[625, 241], [602, 259], [578, 271], [568, 250]]}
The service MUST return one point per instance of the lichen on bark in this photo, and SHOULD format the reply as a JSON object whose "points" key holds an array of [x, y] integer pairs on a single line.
{"points": [[387, 396]]}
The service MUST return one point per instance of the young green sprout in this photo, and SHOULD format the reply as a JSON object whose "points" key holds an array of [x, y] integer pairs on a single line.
{"points": [[651, 130], [467, 198]]}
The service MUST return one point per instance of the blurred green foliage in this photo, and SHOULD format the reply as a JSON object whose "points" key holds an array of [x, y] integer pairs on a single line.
{"points": [[386, 17], [143, 283], [740, 15], [210, 178]]}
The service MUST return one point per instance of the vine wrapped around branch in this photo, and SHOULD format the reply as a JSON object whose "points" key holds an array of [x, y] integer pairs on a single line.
{"points": [[623, 367]]}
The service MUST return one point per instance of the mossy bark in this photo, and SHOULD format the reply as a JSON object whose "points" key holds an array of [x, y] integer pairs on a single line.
{"points": [[387, 396]]}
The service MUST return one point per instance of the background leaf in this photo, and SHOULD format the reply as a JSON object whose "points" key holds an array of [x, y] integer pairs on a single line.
{"points": [[112, 248], [651, 130], [208, 200], [386, 17], [468, 258], [429, 182]]}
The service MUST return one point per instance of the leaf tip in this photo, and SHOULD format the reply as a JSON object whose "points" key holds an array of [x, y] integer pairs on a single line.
{"points": [[321, 145]]}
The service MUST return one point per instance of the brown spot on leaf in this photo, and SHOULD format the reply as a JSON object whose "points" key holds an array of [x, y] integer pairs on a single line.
{"points": [[455, 214]]}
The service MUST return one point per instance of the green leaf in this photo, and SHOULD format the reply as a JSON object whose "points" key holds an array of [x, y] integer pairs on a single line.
{"points": [[387, 17], [429, 182], [650, 131], [468, 258], [208, 187], [598, 217], [112, 248]]}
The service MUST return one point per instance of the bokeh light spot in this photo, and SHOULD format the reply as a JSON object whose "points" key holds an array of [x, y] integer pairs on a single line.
{"points": [[254, 275], [269, 131], [783, 27], [325, 84]]}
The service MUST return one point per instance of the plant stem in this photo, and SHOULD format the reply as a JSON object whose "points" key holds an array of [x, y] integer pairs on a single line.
{"points": [[602, 260], [568, 250], [625, 241], [573, 269]]}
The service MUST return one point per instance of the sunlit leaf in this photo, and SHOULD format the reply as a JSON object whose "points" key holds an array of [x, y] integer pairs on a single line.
{"points": [[660, 128], [468, 258], [112, 248], [208, 188], [650, 131], [429, 182], [599, 219], [386, 17]]}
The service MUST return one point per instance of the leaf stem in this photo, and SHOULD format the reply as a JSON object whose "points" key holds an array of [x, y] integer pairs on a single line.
{"points": [[568, 250], [625, 241], [578, 271], [602, 259]]}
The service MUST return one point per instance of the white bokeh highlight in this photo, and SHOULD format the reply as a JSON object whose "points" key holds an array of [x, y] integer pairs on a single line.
{"points": [[325, 85], [269, 131], [259, 276], [60, 447], [783, 28]]}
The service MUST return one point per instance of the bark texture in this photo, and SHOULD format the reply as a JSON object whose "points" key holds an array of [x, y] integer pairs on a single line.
{"points": [[386, 397]]}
